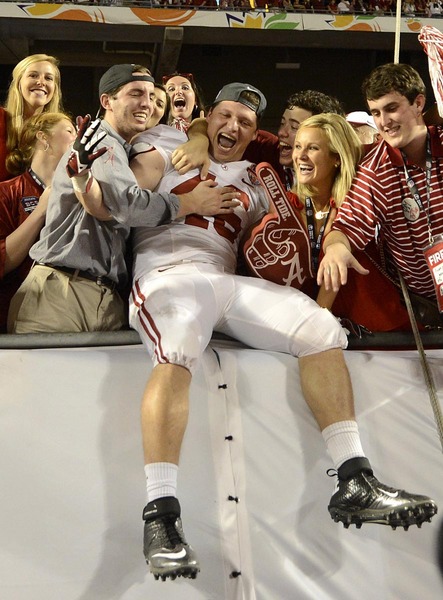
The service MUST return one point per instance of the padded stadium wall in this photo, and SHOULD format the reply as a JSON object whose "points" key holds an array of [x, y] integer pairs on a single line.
{"points": [[252, 482]]}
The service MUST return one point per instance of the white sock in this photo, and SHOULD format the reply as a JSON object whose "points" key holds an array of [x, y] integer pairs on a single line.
{"points": [[343, 442], [161, 480]]}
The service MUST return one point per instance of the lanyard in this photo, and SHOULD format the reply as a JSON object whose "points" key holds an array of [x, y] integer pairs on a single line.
{"points": [[315, 243], [36, 178], [289, 178], [413, 186]]}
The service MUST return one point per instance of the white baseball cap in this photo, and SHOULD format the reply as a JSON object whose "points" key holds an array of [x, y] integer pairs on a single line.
{"points": [[360, 117]]}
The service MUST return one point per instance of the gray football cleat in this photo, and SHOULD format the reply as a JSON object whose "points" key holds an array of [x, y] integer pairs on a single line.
{"points": [[361, 498], [165, 548]]}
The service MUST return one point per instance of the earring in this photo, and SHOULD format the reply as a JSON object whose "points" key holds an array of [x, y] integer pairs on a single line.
{"points": [[46, 146]]}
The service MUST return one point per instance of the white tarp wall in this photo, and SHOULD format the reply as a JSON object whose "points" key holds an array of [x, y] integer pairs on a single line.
{"points": [[72, 481]]}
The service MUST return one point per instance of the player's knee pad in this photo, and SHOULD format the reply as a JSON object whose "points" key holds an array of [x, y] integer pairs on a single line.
{"points": [[322, 331]]}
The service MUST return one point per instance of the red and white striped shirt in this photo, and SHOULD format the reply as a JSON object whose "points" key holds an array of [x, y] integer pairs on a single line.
{"points": [[375, 201]]}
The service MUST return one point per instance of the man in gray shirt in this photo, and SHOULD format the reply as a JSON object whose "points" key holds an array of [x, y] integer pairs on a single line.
{"points": [[80, 260]]}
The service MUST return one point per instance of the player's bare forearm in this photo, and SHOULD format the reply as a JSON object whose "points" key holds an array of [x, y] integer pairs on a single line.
{"points": [[325, 298], [195, 152], [198, 126]]}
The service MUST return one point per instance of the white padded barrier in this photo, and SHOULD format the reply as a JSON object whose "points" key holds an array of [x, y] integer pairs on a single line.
{"points": [[72, 481]]}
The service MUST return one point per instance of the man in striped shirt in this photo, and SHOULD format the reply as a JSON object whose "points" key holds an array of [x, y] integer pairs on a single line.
{"points": [[396, 192]]}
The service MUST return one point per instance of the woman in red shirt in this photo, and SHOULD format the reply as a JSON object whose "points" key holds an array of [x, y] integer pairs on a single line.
{"points": [[43, 142]]}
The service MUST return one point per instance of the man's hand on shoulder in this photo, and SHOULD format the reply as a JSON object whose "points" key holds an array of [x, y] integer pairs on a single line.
{"points": [[195, 152]]}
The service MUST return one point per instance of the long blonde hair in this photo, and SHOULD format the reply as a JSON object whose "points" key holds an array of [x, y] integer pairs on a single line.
{"points": [[20, 158], [344, 142], [15, 105]]}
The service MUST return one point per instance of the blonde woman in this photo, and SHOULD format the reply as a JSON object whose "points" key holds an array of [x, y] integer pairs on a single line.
{"points": [[286, 247], [326, 151], [35, 88], [43, 142]]}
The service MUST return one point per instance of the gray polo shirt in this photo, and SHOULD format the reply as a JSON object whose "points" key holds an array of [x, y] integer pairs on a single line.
{"points": [[73, 238]]}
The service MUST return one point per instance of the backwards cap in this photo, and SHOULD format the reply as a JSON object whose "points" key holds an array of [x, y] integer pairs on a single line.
{"points": [[119, 75], [235, 93]]}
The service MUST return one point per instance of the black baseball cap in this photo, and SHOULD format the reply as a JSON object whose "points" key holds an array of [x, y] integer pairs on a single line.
{"points": [[119, 75], [235, 92]]}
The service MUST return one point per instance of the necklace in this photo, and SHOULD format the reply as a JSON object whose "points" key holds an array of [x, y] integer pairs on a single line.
{"points": [[315, 241], [320, 214]]}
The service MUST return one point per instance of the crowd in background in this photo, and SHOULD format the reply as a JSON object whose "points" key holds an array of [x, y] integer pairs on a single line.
{"points": [[410, 8]]}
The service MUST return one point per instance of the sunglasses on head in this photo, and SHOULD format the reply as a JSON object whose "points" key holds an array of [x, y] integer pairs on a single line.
{"points": [[188, 76]]}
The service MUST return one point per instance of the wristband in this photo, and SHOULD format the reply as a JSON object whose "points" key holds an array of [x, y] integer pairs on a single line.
{"points": [[82, 183]]}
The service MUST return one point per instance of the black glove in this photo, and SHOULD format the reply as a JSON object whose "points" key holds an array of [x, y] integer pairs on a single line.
{"points": [[82, 156], [354, 329]]}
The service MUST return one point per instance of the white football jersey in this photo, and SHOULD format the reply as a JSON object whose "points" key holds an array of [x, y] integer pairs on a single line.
{"points": [[195, 238]]}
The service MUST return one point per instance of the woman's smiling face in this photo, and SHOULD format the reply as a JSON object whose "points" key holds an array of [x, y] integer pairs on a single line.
{"points": [[37, 85], [314, 163]]}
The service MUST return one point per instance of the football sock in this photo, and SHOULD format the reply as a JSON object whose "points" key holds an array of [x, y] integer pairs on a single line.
{"points": [[161, 480], [343, 441]]}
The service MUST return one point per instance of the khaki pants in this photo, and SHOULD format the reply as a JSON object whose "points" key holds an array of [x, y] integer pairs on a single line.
{"points": [[50, 301]]}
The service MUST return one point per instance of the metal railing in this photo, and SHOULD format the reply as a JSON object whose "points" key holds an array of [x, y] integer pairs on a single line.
{"points": [[401, 340]]}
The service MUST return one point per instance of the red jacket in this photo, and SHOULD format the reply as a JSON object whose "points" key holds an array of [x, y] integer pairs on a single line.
{"points": [[18, 198]]}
